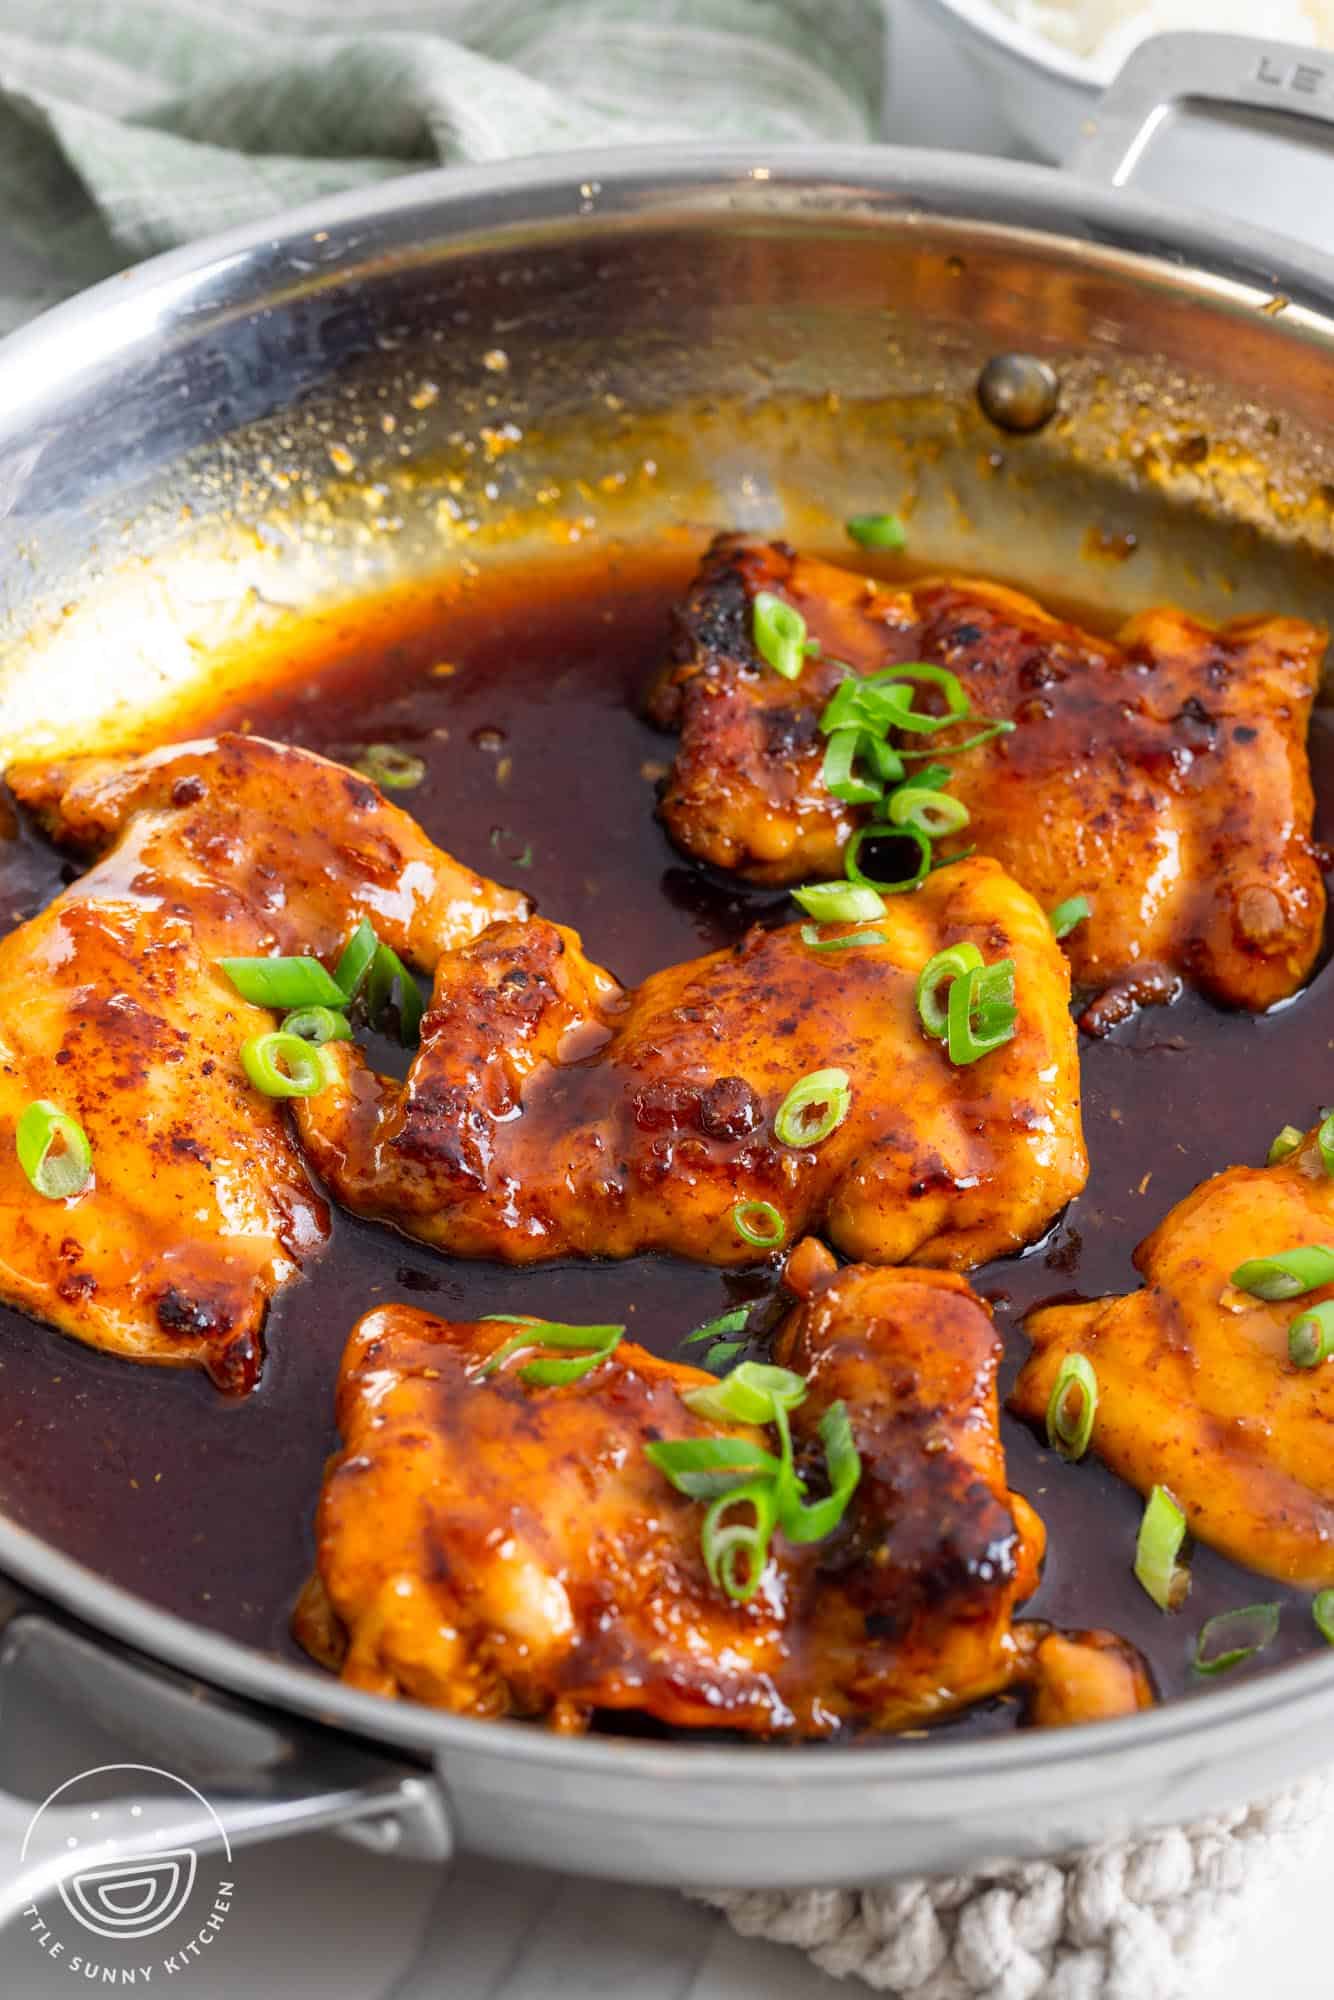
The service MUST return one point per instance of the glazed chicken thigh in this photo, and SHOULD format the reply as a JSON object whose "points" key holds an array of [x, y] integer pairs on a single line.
{"points": [[495, 1546], [113, 1009], [1163, 775], [550, 1113], [1196, 1390]]}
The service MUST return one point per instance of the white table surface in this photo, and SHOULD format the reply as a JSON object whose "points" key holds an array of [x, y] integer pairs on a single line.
{"points": [[318, 1917]]}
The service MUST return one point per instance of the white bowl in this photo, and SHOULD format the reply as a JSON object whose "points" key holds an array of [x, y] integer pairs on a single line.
{"points": [[1043, 93]]}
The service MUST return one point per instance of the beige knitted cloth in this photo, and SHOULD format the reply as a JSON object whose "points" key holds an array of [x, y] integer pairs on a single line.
{"points": [[1151, 1920]]}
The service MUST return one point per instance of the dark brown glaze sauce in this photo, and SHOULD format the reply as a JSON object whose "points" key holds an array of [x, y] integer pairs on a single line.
{"points": [[540, 771]]}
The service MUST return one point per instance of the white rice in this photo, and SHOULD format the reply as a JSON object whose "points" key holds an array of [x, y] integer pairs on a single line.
{"points": [[1105, 31]]}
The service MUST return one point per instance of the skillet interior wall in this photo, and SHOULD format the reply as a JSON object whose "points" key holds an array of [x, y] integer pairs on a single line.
{"points": [[441, 409]]}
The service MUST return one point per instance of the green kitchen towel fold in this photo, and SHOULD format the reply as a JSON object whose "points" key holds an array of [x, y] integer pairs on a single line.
{"points": [[131, 126]]}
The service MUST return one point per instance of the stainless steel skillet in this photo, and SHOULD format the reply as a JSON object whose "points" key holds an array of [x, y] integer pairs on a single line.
{"points": [[457, 369]]}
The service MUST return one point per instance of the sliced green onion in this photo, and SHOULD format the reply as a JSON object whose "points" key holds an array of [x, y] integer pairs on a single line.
{"points": [[387, 972], [1311, 1336], [827, 1087], [839, 902], [877, 531], [890, 685], [1283, 1145], [779, 632], [750, 1395], [283, 982], [1069, 1432], [982, 1015], [837, 770], [704, 1467], [1324, 1139], [927, 810], [933, 778], [992, 729], [283, 1065], [1234, 1636], [727, 1549], [355, 960], [721, 1353], [802, 1522], [317, 1025], [1287, 1274], [597, 1341], [728, 1322], [883, 701], [851, 941], [393, 770], [948, 860], [955, 962], [856, 873], [53, 1150], [759, 1222], [1161, 1533], [1064, 918], [1322, 1610], [882, 757]]}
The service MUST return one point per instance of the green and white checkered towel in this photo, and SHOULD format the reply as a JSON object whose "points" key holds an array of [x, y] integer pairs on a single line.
{"points": [[130, 126]]}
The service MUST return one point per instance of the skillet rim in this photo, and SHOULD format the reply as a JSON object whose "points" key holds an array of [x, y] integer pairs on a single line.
{"points": [[535, 200]]}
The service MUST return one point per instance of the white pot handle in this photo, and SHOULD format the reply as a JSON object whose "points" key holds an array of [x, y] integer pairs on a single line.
{"points": [[1231, 123]]}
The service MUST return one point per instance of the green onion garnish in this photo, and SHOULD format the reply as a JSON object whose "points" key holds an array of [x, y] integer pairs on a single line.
{"points": [[801, 1522], [759, 1222], [837, 770], [877, 531], [927, 811], [729, 1472], [596, 1341], [933, 778], [1161, 1533], [283, 1065], [1287, 1274], [1064, 918], [53, 1150], [1311, 1336], [284, 982], [1322, 1610], [1324, 1139], [728, 1322], [948, 860], [981, 1015], [856, 873], [850, 941], [1070, 1429], [883, 701], [827, 1088], [1283, 1145], [1234, 1636], [839, 902], [736, 1556], [393, 770], [704, 1467], [955, 962], [779, 632], [318, 1025], [750, 1394], [721, 1353], [355, 960], [969, 743], [388, 973]]}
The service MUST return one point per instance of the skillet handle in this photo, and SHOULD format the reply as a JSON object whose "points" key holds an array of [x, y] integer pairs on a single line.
{"points": [[1232, 123], [197, 1772]]}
